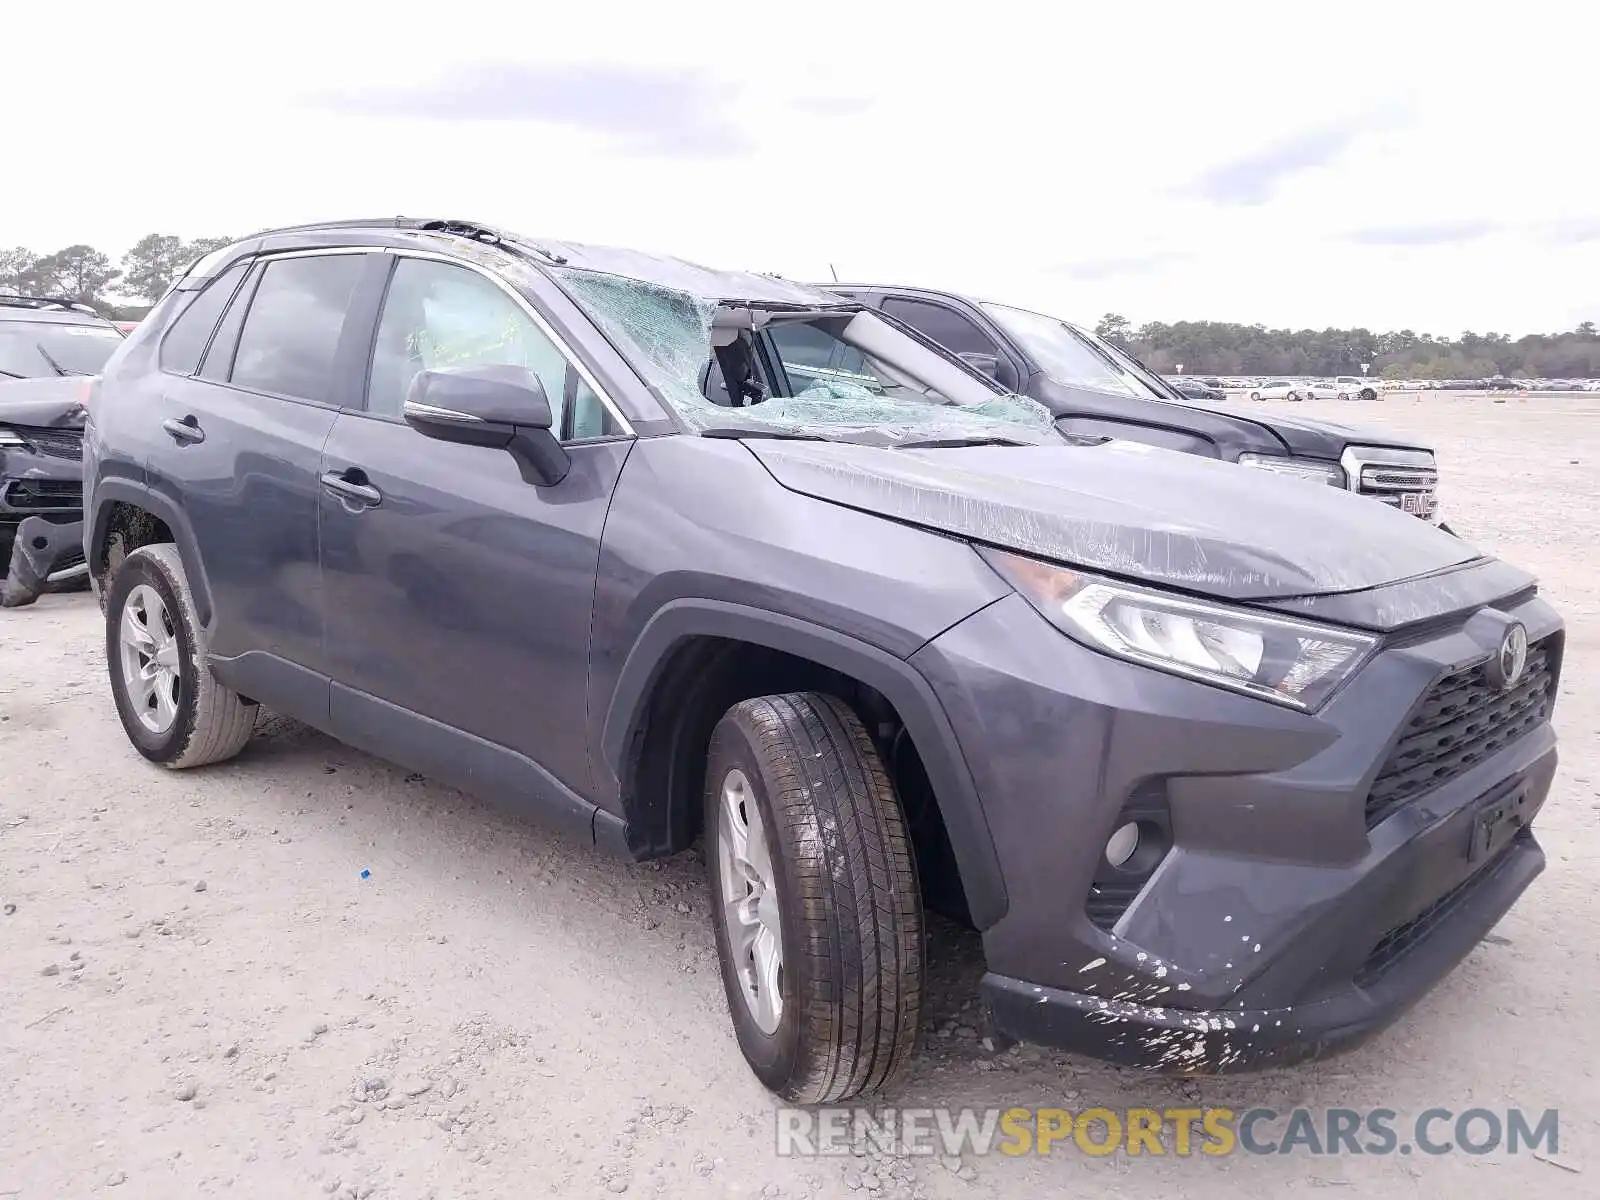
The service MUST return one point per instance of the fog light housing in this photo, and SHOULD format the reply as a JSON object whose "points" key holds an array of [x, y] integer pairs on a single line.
{"points": [[1138, 842], [1120, 846]]}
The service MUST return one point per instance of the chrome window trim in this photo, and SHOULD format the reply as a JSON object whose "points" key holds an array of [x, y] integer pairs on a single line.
{"points": [[534, 315], [316, 252], [433, 412]]}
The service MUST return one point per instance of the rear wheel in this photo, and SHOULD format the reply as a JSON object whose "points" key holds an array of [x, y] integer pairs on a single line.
{"points": [[1368, 394], [1255, 395], [173, 709], [817, 913]]}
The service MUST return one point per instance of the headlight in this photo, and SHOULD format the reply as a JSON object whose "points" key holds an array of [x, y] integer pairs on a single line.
{"points": [[1291, 662], [10, 437], [1299, 468]]}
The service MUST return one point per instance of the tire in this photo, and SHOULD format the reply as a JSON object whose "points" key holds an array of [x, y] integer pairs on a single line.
{"points": [[1344, 395], [840, 865], [1255, 395], [203, 721], [1368, 394]]}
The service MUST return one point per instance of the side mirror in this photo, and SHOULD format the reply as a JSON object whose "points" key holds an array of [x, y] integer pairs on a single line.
{"points": [[500, 407], [992, 365]]}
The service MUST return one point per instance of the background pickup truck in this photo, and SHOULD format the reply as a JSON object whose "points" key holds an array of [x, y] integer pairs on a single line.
{"points": [[1093, 388]]}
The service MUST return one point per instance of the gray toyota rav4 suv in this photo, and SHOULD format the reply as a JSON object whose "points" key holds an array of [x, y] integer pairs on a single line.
{"points": [[1227, 770]]}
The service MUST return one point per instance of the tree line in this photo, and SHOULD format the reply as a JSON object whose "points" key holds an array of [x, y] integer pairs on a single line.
{"points": [[82, 274], [88, 276], [1224, 348]]}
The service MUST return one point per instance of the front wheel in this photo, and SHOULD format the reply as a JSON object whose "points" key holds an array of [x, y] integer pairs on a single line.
{"points": [[1255, 395], [816, 909], [173, 709], [1344, 395]]}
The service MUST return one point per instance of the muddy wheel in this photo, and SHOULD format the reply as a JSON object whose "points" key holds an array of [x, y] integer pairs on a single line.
{"points": [[814, 898], [172, 708]]}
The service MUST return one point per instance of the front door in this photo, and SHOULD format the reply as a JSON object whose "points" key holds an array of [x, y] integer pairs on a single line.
{"points": [[459, 595]]}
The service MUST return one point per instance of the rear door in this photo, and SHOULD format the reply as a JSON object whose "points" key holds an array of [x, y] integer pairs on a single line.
{"points": [[459, 595], [958, 331], [254, 375]]}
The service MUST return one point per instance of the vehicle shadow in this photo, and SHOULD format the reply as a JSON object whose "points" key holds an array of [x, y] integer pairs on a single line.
{"points": [[647, 913]]}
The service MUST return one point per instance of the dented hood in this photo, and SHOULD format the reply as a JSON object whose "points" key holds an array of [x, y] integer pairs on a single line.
{"points": [[1131, 510], [44, 402]]}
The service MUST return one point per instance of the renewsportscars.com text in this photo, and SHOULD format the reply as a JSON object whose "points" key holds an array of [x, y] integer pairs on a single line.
{"points": [[1178, 1132]]}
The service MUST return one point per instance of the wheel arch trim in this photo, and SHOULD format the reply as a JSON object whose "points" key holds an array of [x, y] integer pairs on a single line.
{"points": [[898, 681], [109, 492]]}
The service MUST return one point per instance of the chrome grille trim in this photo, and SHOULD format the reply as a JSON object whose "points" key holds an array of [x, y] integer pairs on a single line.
{"points": [[1404, 479]]}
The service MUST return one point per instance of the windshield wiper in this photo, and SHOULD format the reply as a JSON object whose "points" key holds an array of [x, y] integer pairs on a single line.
{"points": [[54, 365], [734, 432], [974, 440], [13, 374]]}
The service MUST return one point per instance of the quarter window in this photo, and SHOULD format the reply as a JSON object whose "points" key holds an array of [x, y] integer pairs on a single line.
{"points": [[186, 340], [291, 333]]}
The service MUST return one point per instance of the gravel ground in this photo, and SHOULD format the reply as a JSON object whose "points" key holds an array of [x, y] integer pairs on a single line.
{"points": [[307, 973]]}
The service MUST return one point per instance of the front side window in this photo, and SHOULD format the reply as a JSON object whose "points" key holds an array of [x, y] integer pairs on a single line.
{"points": [[439, 315], [291, 333], [811, 355], [186, 339]]}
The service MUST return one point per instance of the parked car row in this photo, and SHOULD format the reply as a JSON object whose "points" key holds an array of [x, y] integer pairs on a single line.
{"points": [[897, 600], [1356, 387]]}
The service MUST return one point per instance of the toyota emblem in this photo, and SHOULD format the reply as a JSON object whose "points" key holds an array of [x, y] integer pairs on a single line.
{"points": [[1507, 665]]}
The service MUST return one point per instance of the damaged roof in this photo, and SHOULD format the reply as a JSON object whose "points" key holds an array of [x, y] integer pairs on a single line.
{"points": [[681, 275]]}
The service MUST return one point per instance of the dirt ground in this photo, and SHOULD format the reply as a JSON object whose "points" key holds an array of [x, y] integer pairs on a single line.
{"points": [[307, 973]]}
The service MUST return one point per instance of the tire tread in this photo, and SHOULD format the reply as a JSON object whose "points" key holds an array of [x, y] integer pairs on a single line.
{"points": [[859, 905]]}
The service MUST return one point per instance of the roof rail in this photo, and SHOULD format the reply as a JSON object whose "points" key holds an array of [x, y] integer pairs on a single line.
{"points": [[48, 302], [460, 227]]}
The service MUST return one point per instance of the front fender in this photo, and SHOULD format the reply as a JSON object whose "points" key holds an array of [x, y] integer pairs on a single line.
{"points": [[898, 681]]}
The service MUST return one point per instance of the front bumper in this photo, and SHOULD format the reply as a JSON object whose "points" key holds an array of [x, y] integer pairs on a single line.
{"points": [[1169, 1039], [1278, 926], [46, 554], [36, 485]]}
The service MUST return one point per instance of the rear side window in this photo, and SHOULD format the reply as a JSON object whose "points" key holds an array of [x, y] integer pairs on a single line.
{"points": [[944, 325], [186, 340], [291, 333]]}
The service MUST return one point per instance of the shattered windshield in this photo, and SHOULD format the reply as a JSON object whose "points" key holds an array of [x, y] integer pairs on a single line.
{"points": [[776, 368], [1068, 357]]}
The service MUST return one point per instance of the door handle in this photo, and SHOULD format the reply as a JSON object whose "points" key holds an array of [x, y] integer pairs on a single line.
{"points": [[184, 430], [353, 490]]}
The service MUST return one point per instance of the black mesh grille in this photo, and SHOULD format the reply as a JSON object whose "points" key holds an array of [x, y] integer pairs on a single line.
{"points": [[1462, 721], [1108, 900], [58, 443], [45, 493], [1405, 937]]}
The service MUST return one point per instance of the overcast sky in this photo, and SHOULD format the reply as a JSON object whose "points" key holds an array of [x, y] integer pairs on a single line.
{"points": [[1390, 165]]}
